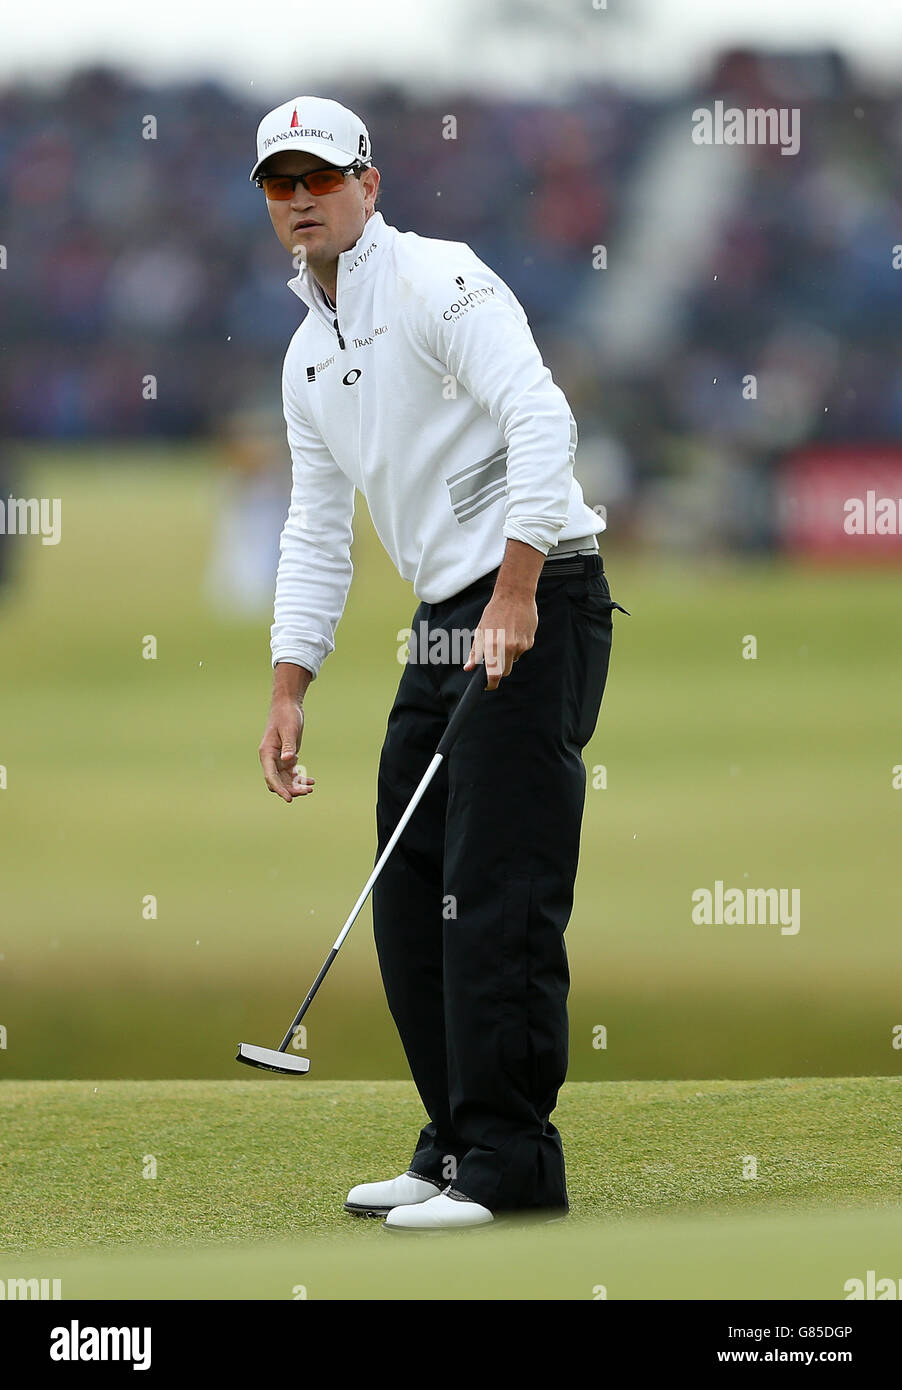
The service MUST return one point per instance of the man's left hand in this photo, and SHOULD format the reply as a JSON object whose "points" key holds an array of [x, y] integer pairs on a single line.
{"points": [[505, 631]]}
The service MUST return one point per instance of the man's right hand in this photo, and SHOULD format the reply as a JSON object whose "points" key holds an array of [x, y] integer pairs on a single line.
{"points": [[281, 742]]}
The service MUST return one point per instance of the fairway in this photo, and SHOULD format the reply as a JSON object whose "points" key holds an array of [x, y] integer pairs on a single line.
{"points": [[128, 777], [250, 1177]]}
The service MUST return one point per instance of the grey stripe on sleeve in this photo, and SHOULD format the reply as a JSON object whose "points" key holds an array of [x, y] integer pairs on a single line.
{"points": [[478, 485]]}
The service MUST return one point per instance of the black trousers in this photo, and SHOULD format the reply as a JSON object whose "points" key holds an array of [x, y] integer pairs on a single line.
{"points": [[471, 908]]}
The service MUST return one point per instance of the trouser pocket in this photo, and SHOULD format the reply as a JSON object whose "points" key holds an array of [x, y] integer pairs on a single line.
{"points": [[592, 595], [591, 612]]}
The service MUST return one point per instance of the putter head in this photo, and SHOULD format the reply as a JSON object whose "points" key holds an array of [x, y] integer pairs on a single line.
{"points": [[270, 1059]]}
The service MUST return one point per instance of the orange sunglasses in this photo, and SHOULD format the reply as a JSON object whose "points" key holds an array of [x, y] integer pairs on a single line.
{"points": [[280, 187]]}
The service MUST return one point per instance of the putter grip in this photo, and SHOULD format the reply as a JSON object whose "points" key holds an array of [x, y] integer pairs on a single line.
{"points": [[462, 709]]}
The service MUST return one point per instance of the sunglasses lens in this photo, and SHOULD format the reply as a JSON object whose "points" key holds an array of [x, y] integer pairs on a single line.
{"points": [[278, 190], [325, 181], [279, 187]]}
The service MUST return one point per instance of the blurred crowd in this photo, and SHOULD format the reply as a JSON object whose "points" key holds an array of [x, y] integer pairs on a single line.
{"points": [[130, 257]]}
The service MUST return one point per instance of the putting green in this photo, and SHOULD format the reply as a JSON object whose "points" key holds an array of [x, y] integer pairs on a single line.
{"points": [[708, 1189], [234, 1190], [772, 1256]]}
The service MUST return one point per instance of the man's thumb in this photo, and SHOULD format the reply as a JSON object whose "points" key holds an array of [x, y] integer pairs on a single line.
{"points": [[288, 750]]}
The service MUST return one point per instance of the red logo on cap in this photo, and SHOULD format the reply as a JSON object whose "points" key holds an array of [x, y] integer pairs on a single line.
{"points": [[294, 119]]}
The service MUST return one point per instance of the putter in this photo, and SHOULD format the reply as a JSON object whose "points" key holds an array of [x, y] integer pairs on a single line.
{"points": [[278, 1058]]}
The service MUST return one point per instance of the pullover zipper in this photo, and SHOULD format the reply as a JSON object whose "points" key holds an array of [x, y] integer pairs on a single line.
{"points": [[341, 341]]}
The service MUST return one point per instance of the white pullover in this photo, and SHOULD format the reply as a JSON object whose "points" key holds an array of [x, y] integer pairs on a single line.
{"points": [[425, 390]]}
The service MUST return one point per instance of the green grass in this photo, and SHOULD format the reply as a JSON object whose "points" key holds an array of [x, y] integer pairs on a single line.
{"points": [[768, 1256], [251, 1175], [128, 777]]}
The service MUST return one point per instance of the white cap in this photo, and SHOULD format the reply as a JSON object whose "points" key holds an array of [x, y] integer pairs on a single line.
{"points": [[317, 125]]}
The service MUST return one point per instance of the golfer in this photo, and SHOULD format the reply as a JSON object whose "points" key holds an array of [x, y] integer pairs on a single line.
{"points": [[414, 378]]}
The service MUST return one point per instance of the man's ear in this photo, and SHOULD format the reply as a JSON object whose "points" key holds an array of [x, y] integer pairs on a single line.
{"points": [[370, 179]]}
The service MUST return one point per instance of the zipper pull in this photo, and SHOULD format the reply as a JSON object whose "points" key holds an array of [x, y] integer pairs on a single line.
{"points": [[341, 341]]}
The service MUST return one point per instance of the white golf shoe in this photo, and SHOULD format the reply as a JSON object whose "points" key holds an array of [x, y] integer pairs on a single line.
{"points": [[449, 1211], [379, 1198]]}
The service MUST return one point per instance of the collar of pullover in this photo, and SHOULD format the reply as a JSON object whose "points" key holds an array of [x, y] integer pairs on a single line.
{"points": [[354, 265]]}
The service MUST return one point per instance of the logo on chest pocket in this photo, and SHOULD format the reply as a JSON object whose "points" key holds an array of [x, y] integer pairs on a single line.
{"points": [[352, 376]]}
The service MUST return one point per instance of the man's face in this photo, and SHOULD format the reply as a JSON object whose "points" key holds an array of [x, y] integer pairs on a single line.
{"points": [[335, 220]]}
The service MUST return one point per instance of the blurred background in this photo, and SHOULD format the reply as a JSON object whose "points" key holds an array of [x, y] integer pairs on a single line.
{"points": [[724, 321]]}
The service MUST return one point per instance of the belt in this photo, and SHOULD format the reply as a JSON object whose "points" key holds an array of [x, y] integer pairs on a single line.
{"points": [[570, 557], [567, 556], [581, 544]]}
